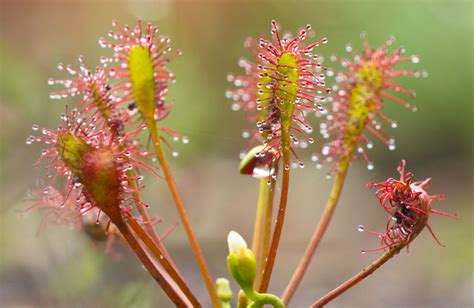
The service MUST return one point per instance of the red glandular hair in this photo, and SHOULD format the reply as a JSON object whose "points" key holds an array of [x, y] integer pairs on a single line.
{"points": [[409, 207]]}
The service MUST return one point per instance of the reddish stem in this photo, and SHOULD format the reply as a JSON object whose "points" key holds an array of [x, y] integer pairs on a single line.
{"points": [[164, 261], [320, 229], [268, 269], [176, 296], [357, 278], [182, 213]]}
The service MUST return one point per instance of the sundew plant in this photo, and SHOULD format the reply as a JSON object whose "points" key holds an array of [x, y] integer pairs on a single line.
{"points": [[111, 135]]}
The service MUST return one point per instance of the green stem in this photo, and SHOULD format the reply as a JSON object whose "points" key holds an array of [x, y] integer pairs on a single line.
{"points": [[261, 299], [268, 269], [182, 212], [322, 226], [359, 277], [263, 224], [242, 300]]}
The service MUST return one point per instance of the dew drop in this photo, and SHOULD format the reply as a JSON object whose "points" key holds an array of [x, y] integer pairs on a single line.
{"points": [[394, 124], [325, 150], [287, 167], [360, 228], [415, 59], [235, 106], [30, 139], [245, 134], [175, 154], [363, 252], [370, 165], [185, 139], [35, 127]]}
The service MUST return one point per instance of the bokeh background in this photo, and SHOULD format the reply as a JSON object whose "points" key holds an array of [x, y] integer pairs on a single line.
{"points": [[59, 267]]}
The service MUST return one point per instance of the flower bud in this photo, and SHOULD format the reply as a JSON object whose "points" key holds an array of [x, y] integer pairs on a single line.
{"points": [[241, 261], [223, 289]]}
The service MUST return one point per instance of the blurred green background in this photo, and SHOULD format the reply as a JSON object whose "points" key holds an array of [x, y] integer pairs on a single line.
{"points": [[58, 267]]}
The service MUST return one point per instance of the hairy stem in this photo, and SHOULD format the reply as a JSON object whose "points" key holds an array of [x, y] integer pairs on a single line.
{"points": [[182, 213], [263, 224], [359, 277], [175, 294], [321, 228], [164, 261], [267, 271]]}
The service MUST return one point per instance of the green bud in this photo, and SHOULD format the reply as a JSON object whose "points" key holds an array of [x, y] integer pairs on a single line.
{"points": [[241, 261], [224, 292]]}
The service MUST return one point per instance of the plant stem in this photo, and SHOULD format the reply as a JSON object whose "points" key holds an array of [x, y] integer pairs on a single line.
{"points": [[262, 299], [267, 271], [321, 228], [145, 217], [359, 277], [263, 224], [164, 261], [176, 296], [182, 213]]}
